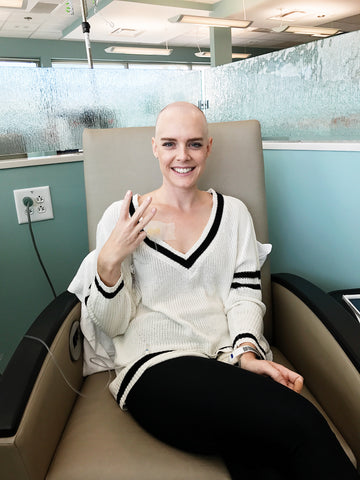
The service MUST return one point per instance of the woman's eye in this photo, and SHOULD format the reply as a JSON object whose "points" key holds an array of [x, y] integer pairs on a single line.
{"points": [[168, 144], [195, 145]]}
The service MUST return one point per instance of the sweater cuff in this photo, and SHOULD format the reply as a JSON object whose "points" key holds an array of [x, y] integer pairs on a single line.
{"points": [[108, 292]]}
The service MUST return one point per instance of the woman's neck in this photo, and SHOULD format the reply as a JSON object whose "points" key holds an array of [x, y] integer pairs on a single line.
{"points": [[182, 199]]}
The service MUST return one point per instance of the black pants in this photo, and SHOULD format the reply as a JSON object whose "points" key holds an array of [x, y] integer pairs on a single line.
{"points": [[258, 426]]}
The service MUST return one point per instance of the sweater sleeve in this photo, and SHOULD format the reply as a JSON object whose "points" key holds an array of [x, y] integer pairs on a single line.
{"points": [[111, 308], [244, 307]]}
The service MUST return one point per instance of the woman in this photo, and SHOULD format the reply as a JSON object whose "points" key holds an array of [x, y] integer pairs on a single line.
{"points": [[177, 288]]}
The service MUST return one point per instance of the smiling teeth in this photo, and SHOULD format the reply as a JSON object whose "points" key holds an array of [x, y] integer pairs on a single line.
{"points": [[182, 170]]}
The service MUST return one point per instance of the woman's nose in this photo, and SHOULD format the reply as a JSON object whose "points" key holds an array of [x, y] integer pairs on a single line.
{"points": [[183, 153]]}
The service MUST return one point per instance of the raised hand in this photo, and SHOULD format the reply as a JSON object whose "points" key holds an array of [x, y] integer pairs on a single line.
{"points": [[124, 239]]}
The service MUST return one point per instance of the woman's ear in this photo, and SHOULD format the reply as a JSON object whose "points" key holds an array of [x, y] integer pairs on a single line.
{"points": [[209, 145], [154, 147]]}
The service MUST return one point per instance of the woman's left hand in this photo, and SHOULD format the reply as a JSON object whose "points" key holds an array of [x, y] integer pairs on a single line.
{"points": [[277, 372]]}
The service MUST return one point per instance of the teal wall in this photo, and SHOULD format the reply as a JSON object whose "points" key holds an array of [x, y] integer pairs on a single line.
{"points": [[62, 243], [313, 202], [313, 209]]}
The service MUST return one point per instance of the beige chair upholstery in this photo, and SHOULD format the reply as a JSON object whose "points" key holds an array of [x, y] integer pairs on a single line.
{"points": [[120, 159], [56, 434]]}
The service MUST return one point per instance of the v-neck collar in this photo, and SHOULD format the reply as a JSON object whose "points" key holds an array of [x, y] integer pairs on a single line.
{"points": [[188, 259]]}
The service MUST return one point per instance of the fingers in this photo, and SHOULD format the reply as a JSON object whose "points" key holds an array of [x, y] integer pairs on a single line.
{"points": [[126, 236], [140, 237], [145, 220], [139, 212], [298, 384], [263, 367], [292, 379], [277, 372], [124, 211], [138, 219]]}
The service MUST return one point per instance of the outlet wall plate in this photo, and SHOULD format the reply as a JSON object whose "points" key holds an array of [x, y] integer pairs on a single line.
{"points": [[41, 208]]}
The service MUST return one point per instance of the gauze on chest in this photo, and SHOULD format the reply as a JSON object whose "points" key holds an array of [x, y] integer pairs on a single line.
{"points": [[161, 231]]}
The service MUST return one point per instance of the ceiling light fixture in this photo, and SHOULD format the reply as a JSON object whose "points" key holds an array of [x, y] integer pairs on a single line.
{"points": [[139, 50], [241, 55], [210, 21], [289, 16], [13, 3], [125, 32], [234, 55], [313, 31]]}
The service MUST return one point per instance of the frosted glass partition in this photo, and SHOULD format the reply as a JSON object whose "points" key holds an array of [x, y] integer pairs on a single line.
{"points": [[306, 93], [44, 110], [309, 92]]}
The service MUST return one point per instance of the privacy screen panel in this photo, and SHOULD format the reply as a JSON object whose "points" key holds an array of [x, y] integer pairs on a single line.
{"points": [[305, 93], [45, 110]]}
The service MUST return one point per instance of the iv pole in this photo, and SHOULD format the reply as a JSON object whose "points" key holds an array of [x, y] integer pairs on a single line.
{"points": [[86, 30]]}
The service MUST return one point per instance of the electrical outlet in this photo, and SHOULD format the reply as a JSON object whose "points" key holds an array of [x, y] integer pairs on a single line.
{"points": [[41, 209]]}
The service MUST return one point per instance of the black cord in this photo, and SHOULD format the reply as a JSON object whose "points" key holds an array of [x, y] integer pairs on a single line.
{"points": [[36, 249]]}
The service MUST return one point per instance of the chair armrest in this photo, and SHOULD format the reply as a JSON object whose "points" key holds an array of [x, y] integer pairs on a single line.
{"points": [[20, 375], [35, 400], [339, 322], [322, 341]]}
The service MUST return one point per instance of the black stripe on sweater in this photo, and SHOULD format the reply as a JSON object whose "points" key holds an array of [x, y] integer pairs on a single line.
{"points": [[108, 294], [249, 335], [255, 274], [246, 285], [189, 262], [132, 370]]}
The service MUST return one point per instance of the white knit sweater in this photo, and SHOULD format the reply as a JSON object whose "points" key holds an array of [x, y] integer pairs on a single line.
{"points": [[204, 302]]}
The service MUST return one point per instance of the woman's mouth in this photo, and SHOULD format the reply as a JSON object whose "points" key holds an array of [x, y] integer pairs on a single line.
{"points": [[183, 170]]}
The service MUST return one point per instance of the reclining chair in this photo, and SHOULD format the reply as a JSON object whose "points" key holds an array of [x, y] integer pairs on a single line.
{"points": [[50, 432]]}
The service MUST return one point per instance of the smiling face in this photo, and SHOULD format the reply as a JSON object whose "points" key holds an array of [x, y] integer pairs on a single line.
{"points": [[181, 144]]}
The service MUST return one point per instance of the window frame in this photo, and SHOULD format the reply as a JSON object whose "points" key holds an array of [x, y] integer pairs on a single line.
{"points": [[19, 62]]}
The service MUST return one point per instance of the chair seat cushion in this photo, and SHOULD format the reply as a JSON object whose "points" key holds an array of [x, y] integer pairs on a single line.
{"points": [[280, 358], [102, 441]]}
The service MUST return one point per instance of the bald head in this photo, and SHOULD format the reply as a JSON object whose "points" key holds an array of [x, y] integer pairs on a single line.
{"points": [[181, 128], [181, 111]]}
